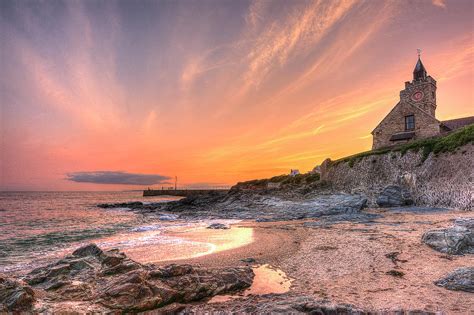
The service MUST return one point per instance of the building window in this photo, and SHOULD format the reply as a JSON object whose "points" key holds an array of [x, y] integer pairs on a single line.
{"points": [[409, 122]]}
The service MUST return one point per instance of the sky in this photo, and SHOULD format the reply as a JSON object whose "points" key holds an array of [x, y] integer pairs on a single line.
{"points": [[111, 95]]}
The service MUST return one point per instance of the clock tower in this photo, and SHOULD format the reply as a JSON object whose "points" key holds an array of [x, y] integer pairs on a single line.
{"points": [[414, 116], [421, 92]]}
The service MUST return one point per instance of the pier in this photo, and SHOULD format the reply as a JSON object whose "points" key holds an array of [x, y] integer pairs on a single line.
{"points": [[180, 192]]}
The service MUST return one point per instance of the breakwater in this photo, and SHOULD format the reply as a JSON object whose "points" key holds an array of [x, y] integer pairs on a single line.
{"points": [[180, 192]]}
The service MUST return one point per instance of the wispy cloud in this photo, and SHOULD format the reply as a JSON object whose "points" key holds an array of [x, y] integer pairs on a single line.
{"points": [[294, 34], [117, 178], [212, 91], [439, 3]]}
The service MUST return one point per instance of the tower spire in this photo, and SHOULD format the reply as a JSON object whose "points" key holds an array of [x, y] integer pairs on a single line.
{"points": [[419, 73]]}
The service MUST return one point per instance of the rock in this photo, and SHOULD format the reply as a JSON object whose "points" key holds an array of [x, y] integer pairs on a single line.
{"points": [[249, 260], [394, 196], [168, 217], [324, 168], [139, 290], [131, 205], [395, 273], [15, 296], [461, 279], [456, 240], [273, 304], [88, 250], [112, 280], [218, 226], [262, 205]]}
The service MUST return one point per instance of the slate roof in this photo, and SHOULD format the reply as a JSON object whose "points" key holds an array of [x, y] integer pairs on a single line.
{"points": [[454, 124], [402, 136], [419, 72]]}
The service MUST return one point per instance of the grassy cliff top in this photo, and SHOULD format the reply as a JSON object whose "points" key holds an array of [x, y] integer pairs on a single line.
{"points": [[448, 143]]}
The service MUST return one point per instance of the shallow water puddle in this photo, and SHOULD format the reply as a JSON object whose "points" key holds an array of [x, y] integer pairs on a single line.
{"points": [[268, 279]]}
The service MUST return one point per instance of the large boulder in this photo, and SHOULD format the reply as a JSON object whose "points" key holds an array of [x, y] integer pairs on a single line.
{"points": [[461, 279], [456, 240], [15, 296], [394, 196], [112, 280]]}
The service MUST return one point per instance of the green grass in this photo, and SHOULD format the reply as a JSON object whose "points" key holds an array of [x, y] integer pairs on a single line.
{"points": [[284, 180], [449, 143]]}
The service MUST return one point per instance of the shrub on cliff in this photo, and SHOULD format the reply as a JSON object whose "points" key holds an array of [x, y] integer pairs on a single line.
{"points": [[284, 180]]}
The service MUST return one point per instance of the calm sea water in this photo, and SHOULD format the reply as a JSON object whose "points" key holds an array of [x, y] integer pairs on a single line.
{"points": [[37, 226]]}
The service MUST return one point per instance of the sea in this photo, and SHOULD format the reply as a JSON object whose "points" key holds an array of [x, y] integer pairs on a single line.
{"points": [[38, 227]]}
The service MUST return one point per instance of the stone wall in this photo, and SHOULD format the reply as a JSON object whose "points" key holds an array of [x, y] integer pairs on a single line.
{"points": [[446, 180]]}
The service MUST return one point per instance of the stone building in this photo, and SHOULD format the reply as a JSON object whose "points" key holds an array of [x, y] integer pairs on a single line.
{"points": [[414, 116]]}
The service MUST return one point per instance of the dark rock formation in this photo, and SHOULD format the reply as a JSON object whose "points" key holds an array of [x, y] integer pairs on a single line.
{"points": [[218, 226], [131, 205], [461, 279], [273, 304], [110, 279], [15, 296], [456, 240], [394, 196], [258, 205]]}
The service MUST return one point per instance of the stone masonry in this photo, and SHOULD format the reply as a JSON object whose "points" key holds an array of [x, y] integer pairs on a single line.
{"points": [[418, 101], [446, 180]]}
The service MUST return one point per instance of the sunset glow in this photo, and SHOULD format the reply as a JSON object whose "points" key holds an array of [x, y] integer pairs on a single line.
{"points": [[214, 92]]}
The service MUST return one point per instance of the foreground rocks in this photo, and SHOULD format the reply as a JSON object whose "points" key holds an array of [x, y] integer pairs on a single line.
{"points": [[109, 280], [15, 296], [394, 196], [456, 240], [274, 304], [461, 279], [288, 303]]}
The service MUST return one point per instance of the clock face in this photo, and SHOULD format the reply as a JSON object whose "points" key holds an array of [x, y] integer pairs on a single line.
{"points": [[417, 96]]}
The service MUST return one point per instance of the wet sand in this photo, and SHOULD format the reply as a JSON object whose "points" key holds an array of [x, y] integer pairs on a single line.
{"points": [[348, 263], [271, 242]]}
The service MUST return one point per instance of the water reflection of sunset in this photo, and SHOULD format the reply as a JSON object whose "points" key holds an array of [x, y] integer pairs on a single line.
{"points": [[189, 242]]}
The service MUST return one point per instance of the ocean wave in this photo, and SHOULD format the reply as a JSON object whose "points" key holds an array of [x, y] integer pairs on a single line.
{"points": [[22, 245]]}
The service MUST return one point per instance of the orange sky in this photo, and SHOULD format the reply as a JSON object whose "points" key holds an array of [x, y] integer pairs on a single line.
{"points": [[213, 92]]}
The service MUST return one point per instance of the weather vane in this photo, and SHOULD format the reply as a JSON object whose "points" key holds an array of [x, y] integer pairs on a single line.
{"points": [[419, 52]]}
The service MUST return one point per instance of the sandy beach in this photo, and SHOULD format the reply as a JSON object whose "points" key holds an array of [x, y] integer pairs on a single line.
{"points": [[373, 266]]}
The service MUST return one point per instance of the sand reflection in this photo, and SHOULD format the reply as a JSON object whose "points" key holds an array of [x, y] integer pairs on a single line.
{"points": [[190, 242]]}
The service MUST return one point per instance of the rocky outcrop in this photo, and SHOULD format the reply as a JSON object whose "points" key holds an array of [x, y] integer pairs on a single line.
{"points": [[456, 240], [110, 279], [15, 296], [461, 279], [394, 196], [288, 303], [442, 180], [260, 206]]}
